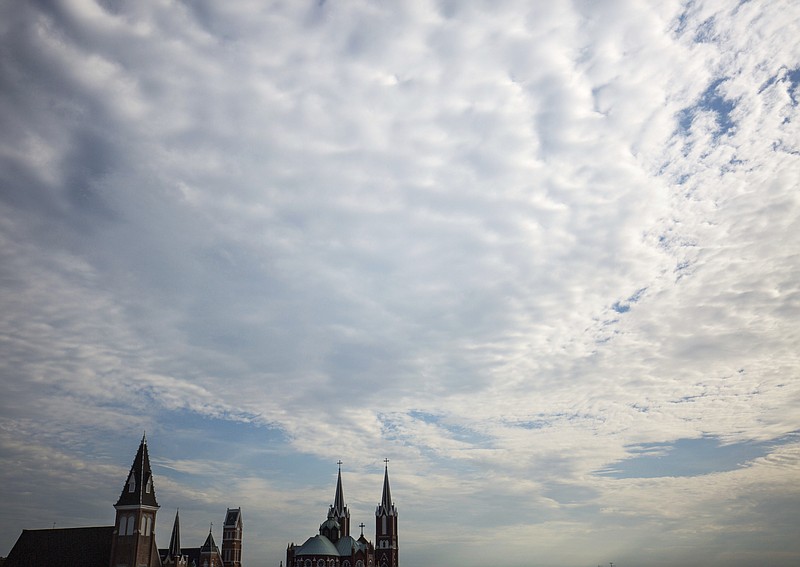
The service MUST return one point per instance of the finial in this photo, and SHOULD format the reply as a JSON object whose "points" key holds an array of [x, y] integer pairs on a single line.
{"points": [[387, 462], [339, 462], [211, 527], [144, 436]]}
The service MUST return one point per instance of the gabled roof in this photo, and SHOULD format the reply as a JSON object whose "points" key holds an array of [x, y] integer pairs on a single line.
{"points": [[62, 547], [138, 489], [209, 546]]}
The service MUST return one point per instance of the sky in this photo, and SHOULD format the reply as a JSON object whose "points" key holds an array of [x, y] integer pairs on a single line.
{"points": [[543, 256]]}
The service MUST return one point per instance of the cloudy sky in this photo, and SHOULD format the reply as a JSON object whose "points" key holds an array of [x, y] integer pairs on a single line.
{"points": [[544, 256]]}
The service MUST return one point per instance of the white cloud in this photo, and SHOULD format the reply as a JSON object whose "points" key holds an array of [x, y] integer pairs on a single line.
{"points": [[489, 242]]}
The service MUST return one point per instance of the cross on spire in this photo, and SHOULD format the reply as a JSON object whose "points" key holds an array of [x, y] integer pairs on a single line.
{"points": [[339, 462], [361, 525]]}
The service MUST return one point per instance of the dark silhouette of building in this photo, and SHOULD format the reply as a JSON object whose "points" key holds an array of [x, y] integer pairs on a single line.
{"points": [[131, 541], [208, 555], [335, 547]]}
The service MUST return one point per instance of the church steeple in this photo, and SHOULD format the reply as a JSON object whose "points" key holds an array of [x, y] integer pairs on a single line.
{"points": [[174, 551], [232, 538], [339, 511], [133, 543], [386, 545], [138, 489], [209, 553]]}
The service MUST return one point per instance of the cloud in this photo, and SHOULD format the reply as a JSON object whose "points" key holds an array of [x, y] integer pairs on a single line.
{"points": [[502, 245]]}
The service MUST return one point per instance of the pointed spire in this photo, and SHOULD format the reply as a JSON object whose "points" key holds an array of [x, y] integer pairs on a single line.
{"points": [[338, 499], [338, 510], [386, 499], [386, 507], [138, 489], [175, 541]]}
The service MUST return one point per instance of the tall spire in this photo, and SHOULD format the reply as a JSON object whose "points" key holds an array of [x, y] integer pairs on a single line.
{"points": [[175, 540], [386, 499], [338, 499], [338, 511], [138, 489], [386, 543]]}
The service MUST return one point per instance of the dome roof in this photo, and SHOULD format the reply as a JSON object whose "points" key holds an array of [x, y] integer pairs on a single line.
{"points": [[329, 524], [318, 545]]}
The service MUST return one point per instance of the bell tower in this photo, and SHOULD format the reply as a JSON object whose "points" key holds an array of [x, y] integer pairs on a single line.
{"points": [[386, 546], [134, 541], [232, 538]]}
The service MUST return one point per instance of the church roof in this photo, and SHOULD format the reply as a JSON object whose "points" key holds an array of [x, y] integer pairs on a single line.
{"points": [[62, 547], [138, 489], [329, 524], [317, 545], [209, 546], [347, 545]]}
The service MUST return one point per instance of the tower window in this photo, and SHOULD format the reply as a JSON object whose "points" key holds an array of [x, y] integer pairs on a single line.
{"points": [[126, 525], [131, 483]]}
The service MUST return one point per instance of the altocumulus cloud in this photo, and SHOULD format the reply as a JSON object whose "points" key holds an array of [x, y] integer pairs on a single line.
{"points": [[541, 255]]}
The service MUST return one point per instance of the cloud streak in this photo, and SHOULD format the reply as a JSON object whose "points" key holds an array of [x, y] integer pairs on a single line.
{"points": [[503, 245]]}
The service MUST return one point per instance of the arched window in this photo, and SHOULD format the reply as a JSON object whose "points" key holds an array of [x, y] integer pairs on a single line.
{"points": [[126, 525], [131, 483]]}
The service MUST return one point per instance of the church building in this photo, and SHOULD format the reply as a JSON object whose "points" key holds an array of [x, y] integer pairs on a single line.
{"points": [[335, 547], [131, 541]]}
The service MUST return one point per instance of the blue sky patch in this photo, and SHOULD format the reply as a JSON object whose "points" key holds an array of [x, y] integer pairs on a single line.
{"points": [[712, 100], [689, 457]]}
